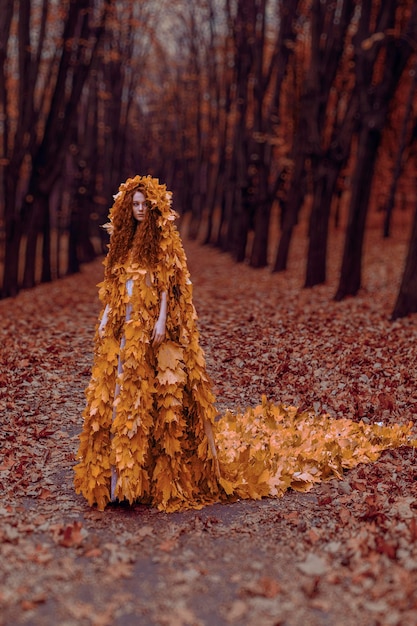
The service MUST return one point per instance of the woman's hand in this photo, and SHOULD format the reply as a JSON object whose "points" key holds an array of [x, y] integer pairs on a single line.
{"points": [[158, 333]]}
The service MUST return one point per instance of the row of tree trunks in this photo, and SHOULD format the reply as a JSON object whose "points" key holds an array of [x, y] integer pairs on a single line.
{"points": [[48, 160], [252, 102], [24, 133], [27, 218], [251, 168], [374, 103], [329, 24], [262, 162]]}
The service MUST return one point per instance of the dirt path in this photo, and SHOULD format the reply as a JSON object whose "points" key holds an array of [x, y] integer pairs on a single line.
{"points": [[343, 554]]}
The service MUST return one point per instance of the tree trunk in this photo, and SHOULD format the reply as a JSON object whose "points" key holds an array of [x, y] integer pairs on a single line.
{"points": [[10, 284], [350, 277], [262, 213], [291, 208], [407, 296], [73, 258], [6, 12], [12, 238], [240, 228], [8, 174], [214, 179], [46, 274], [400, 153], [327, 174], [32, 231], [237, 165]]}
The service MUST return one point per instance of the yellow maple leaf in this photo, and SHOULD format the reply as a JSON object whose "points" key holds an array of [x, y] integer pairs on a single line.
{"points": [[169, 355], [169, 377], [227, 486], [172, 446], [169, 416]]}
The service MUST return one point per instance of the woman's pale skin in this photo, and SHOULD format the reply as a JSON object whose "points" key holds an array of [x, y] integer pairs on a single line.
{"points": [[139, 209]]}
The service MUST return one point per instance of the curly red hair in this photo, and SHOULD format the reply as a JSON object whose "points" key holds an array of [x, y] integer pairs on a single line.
{"points": [[142, 239]]}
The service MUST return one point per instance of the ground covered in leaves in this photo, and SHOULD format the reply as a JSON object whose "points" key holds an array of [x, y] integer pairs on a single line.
{"points": [[343, 554]]}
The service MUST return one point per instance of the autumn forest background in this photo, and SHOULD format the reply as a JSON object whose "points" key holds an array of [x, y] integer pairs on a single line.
{"points": [[259, 114]]}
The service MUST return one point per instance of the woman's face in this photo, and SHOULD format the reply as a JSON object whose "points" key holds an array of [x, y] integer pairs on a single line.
{"points": [[140, 207]]}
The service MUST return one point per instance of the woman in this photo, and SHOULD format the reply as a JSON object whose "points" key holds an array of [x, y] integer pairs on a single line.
{"points": [[147, 425], [149, 419]]}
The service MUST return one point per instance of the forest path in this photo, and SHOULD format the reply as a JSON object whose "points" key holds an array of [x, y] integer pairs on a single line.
{"points": [[343, 554]]}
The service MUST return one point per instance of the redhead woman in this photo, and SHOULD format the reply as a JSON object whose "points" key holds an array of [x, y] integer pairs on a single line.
{"points": [[147, 432]]}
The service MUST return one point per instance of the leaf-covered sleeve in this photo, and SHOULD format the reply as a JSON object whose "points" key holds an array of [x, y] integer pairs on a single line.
{"points": [[174, 278], [171, 260]]}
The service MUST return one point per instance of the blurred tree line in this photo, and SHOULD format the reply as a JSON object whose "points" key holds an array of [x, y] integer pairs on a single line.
{"points": [[245, 108]]}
